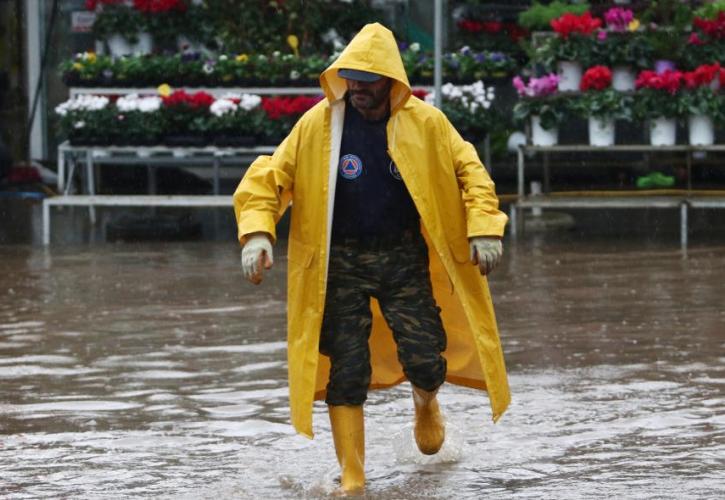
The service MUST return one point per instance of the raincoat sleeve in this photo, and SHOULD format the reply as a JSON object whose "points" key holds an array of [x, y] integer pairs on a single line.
{"points": [[266, 190], [483, 218]]}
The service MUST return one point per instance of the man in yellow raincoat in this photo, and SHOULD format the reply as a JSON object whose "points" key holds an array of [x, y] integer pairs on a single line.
{"points": [[390, 208]]}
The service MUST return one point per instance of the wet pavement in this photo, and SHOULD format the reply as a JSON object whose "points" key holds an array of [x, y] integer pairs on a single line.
{"points": [[152, 370]]}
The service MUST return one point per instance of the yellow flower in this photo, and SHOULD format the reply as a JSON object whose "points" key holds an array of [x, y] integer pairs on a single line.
{"points": [[633, 25], [294, 43], [77, 66], [91, 57], [164, 90], [242, 58]]}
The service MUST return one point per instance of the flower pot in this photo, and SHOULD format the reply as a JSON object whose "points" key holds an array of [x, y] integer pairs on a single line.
{"points": [[145, 44], [601, 131], [541, 136], [570, 75], [662, 65], [701, 130], [118, 45], [623, 78], [662, 131]]}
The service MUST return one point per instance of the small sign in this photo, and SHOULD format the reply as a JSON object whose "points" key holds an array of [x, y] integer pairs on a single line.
{"points": [[82, 21]]}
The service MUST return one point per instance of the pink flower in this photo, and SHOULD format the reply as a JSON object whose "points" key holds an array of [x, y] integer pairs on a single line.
{"points": [[519, 86], [694, 39], [618, 19], [537, 87], [602, 35]]}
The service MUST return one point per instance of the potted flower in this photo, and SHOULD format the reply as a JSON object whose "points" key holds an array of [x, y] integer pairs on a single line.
{"points": [[571, 49], [186, 117], [657, 101], [539, 16], [235, 120], [601, 105], [706, 42], [87, 69], [281, 115], [702, 103], [468, 107], [87, 119], [140, 120], [539, 102], [622, 47], [120, 25]]}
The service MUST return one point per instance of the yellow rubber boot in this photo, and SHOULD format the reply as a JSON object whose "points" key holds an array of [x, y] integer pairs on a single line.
{"points": [[348, 433], [430, 430]]}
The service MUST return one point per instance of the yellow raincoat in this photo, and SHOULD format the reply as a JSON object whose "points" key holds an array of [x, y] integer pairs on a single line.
{"points": [[454, 196]]}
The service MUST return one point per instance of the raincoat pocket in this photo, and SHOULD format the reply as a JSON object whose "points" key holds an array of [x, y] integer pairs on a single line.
{"points": [[300, 254], [460, 249]]}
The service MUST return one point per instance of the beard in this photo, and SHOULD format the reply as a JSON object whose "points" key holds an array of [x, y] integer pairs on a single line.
{"points": [[366, 99]]}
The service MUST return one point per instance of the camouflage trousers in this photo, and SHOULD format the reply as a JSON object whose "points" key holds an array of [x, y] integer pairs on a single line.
{"points": [[395, 272]]}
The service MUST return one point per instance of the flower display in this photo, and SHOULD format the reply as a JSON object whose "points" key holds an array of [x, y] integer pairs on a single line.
{"points": [[596, 78], [540, 97], [180, 119], [469, 108], [704, 74], [569, 24], [598, 99], [537, 87], [618, 19], [669, 81], [713, 28], [657, 94]]}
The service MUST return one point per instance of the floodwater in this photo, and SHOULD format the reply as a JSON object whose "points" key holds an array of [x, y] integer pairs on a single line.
{"points": [[153, 370]]}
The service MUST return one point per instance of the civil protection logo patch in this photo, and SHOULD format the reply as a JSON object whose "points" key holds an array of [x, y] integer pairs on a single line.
{"points": [[351, 167], [394, 171]]}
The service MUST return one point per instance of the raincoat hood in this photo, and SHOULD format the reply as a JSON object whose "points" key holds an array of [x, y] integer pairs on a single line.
{"points": [[373, 49]]}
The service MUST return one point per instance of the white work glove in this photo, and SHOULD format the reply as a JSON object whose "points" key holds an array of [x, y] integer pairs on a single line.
{"points": [[257, 252], [486, 251]]}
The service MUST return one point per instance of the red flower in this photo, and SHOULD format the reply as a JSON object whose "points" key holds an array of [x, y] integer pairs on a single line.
{"points": [[195, 101], [703, 75], [596, 78], [571, 23], [159, 6], [515, 32], [470, 25], [694, 39], [669, 81], [420, 93], [492, 26], [714, 28], [279, 107]]}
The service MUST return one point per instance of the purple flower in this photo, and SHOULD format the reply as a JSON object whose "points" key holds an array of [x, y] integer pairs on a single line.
{"points": [[497, 56], [601, 35]]}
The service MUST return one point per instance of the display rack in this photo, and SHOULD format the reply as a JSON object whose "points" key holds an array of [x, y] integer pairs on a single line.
{"points": [[682, 199]]}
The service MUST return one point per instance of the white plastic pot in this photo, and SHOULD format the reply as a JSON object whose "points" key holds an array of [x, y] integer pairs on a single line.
{"points": [[601, 131], [145, 44], [623, 78], [570, 75], [541, 136], [701, 130], [663, 131], [118, 45]]}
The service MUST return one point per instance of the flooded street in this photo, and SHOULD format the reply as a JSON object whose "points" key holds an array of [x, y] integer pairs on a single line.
{"points": [[153, 370]]}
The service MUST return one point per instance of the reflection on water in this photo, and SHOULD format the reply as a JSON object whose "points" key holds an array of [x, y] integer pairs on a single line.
{"points": [[153, 370]]}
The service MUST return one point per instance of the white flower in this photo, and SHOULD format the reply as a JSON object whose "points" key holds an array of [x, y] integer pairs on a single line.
{"points": [[79, 124], [232, 96], [294, 74], [149, 104], [220, 107], [415, 47], [208, 68], [223, 57], [127, 103], [82, 102], [249, 101]]}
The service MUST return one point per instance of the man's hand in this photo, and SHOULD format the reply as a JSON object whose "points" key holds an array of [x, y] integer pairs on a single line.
{"points": [[257, 252], [486, 251]]}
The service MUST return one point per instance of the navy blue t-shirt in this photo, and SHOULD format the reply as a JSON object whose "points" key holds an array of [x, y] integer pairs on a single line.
{"points": [[371, 199]]}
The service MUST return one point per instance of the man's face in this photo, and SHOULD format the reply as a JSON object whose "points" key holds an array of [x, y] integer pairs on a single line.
{"points": [[369, 96]]}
